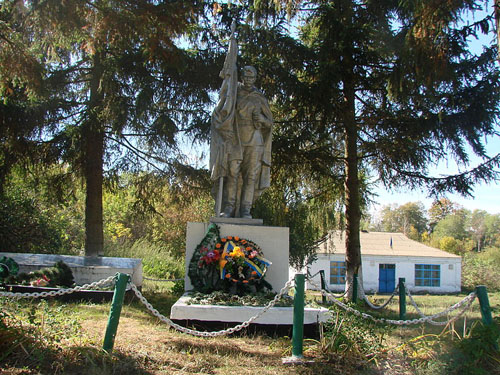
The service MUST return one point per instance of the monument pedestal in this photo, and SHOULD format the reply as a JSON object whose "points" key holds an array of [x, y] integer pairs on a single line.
{"points": [[239, 314], [272, 240]]}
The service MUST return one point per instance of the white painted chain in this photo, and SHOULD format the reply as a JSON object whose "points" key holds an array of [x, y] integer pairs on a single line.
{"points": [[340, 295], [110, 280], [451, 308], [467, 301], [310, 278], [378, 307], [228, 331]]}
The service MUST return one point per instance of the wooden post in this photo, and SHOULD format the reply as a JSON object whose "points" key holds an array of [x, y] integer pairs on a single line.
{"points": [[114, 312], [402, 299], [323, 285]]}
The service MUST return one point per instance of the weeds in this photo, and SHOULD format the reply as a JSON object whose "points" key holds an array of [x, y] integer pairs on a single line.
{"points": [[55, 338], [353, 338]]}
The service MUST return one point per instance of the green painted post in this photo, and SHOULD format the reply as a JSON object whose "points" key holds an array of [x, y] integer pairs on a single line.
{"points": [[402, 299], [114, 313], [298, 316], [323, 285], [482, 296], [355, 288]]}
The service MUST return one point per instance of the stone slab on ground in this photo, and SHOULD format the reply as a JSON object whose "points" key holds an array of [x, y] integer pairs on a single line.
{"points": [[85, 269], [274, 242], [239, 314]]}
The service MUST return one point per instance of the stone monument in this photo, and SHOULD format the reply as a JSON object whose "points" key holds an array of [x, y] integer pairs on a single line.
{"points": [[240, 161], [241, 136]]}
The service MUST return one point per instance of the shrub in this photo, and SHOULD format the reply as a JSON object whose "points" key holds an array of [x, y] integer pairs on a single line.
{"points": [[479, 351], [352, 337], [24, 228], [157, 260], [480, 269]]}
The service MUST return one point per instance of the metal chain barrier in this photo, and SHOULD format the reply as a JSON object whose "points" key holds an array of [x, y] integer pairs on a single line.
{"points": [[165, 280], [466, 302], [97, 284], [412, 301], [316, 274], [339, 296], [431, 321], [378, 307], [228, 331]]}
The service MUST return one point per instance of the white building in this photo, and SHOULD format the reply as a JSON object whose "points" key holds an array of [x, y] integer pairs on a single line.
{"points": [[386, 257]]}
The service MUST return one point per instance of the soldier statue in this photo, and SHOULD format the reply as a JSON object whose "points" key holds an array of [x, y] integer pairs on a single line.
{"points": [[241, 136]]}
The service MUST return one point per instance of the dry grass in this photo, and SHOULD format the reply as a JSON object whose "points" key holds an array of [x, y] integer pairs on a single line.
{"points": [[144, 345]]}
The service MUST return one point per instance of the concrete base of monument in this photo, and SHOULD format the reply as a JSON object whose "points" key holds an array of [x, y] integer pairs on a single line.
{"points": [[239, 314], [85, 270], [236, 221], [273, 241]]}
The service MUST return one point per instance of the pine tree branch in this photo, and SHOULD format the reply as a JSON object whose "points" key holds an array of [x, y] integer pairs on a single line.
{"points": [[140, 154]]}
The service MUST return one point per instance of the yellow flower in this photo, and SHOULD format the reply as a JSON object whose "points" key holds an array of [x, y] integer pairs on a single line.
{"points": [[237, 252]]}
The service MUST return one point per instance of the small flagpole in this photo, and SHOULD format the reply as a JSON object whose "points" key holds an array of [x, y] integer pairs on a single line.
{"points": [[218, 206]]}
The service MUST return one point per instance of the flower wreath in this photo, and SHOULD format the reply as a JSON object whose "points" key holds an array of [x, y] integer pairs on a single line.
{"points": [[232, 264]]}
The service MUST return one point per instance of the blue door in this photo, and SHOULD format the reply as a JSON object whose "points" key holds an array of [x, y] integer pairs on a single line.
{"points": [[386, 278]]}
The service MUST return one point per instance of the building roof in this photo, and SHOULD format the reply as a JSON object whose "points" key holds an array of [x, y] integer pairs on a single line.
{"points": [[384, 244]]}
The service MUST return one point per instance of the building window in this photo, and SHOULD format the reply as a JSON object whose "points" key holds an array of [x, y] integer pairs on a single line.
{"points": [[337, 272], [427, 274]]}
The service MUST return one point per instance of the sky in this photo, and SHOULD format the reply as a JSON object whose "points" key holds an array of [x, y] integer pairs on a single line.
{"points": [[485, 196]]}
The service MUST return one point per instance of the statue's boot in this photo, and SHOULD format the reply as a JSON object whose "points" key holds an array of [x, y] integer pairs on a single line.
{"points": [[247, 199], [231, 187], [228, 211]]}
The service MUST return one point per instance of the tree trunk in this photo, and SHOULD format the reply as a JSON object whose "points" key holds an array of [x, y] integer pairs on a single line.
{"points": [[352, 187], [352, 199], [93, 140]]}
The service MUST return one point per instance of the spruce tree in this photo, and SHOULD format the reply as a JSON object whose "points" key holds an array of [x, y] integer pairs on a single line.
{"points": [[110, 83], [391, 88]]}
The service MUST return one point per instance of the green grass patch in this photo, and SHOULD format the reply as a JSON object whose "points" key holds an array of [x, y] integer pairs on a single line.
{"points": [[52, 337]]}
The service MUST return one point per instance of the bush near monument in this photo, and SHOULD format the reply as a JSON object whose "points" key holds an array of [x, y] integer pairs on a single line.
{"points": [[58, 276]]}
